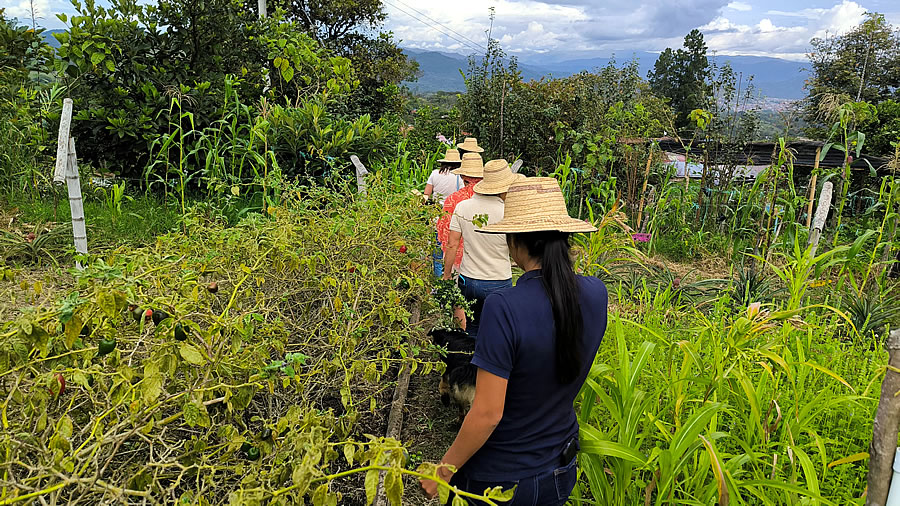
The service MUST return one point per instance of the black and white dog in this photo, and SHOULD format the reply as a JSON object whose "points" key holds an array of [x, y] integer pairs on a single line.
{"points": [[458, 382]]}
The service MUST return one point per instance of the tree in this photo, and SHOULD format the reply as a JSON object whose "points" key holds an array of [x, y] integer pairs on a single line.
{"points": [[342, 27], [681, 76], [863, 65]]}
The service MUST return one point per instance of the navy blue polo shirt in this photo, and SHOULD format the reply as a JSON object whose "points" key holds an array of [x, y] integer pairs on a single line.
{"points": [[516, 341]]}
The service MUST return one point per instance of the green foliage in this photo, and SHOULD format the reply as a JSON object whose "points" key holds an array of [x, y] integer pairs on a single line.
{"points": [[682, 77], [863, 64], [283, 306]]}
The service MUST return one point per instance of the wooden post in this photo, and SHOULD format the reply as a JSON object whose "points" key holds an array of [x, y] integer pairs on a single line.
{"points": [[812, 198], [360, 174], [821, 214], [884, 429], [62, 142], [67, 170], [395, 417], [262, 8], [637, 224]]}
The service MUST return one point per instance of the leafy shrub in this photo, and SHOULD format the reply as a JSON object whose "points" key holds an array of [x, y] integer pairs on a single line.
{"points": [[258, 381]]}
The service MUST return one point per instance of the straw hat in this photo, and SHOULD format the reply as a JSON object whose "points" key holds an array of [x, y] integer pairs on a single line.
{"points": [[536, 204], [497, 178], [471, 166], [470, 144], [452, 156]]}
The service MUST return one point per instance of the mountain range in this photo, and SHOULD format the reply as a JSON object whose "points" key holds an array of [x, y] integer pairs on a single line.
{"points": [[774, 78]]}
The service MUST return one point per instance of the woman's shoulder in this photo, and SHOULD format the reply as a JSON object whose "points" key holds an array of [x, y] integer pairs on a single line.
{"points": [[592, 285]]}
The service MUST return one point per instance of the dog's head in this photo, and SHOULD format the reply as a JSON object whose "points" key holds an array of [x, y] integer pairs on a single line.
{"points": [[444, 337]]}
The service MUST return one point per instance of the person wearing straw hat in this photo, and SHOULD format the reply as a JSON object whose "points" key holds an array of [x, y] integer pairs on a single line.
{"points": [[441, 183], [485, 266], [470, 145], [470, 170], [536, 345]]}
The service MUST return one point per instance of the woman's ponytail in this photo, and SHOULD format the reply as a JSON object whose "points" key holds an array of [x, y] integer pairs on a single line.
{"points": [[561, 285]]}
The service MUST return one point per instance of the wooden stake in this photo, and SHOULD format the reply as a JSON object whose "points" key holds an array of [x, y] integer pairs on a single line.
{"points": [[884, 428], [73, 183], [821, 214], [643, 190], [262, 8], [360, 174], [62, 142], [395, 417], [812, 198]]}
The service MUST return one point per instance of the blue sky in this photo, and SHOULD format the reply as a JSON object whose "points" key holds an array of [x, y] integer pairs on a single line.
{"points": [[565, 29]]}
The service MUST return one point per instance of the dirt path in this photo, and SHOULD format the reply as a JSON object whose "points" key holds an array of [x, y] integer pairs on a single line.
{"points": [[428, 428]]}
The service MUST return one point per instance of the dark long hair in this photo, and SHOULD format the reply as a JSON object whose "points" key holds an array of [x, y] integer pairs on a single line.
{"points": [[551, 249]]}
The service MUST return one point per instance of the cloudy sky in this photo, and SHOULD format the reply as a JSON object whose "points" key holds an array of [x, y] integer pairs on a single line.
{"points": [[588, 28], [564, 29]]}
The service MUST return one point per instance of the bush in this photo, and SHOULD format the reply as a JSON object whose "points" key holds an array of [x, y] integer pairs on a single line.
{"points": [[259, 387]]}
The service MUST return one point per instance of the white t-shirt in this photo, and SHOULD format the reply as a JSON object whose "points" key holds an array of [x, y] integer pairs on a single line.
{"points": [[444, 184], [485, 256]]}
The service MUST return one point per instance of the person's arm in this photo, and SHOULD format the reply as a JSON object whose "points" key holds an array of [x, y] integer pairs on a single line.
{"points": [[479, 424], [450, 254], [429, 189]]}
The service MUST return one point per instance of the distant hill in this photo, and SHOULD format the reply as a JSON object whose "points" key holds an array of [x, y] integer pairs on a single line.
{"points": [[50, 39], [773, 77]]}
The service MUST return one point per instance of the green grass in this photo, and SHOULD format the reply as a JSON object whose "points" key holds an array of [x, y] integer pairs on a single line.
{"points": [[140, 221]]}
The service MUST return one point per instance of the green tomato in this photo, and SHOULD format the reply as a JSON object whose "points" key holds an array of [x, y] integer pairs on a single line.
{"points": [[253, 453]]}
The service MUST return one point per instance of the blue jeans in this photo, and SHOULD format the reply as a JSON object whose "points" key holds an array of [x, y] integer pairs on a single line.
{"points": [[476, 290], [438, 258], [548, 489]]}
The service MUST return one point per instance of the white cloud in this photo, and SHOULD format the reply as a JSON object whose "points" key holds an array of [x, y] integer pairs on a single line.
{"points": [[740, 6], [23, 10]]}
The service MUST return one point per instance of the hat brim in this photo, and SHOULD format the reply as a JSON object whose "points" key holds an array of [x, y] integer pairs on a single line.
{"points": [[497, 187], [538, 224], [468, 171], [470, 148], [457, 162]]}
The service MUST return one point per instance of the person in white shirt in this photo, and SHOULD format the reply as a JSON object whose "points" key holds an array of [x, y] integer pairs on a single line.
{"points": [[442, 182], [485, 264]]}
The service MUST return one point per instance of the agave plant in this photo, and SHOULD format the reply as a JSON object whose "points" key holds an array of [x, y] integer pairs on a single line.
{"points": [[871, 312], [752, 285]]}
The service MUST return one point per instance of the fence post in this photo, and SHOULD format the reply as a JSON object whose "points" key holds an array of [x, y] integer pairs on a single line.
{"points": [[821, 213], [67, 170], [812, 188], [884, 428], [360, 174]]}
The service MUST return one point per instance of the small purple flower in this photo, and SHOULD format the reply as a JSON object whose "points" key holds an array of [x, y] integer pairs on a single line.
{"points": [[640, 237], [441, 138]]}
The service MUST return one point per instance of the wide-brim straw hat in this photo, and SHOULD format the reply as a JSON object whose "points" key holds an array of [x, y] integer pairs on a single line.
{"points": [[451, 156], [471, 145], [536, 204], [497, 178], [471, 166]]}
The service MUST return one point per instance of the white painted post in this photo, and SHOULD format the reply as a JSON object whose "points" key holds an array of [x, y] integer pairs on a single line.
{"points": [[67, 170], [516, 166], [73, 182], [360, 174], [62, 142], [821, 213], [262, 8]]}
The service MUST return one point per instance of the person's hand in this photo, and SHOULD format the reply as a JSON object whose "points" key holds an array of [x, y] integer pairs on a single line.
{"points": [[431, 487], [446, 276]]}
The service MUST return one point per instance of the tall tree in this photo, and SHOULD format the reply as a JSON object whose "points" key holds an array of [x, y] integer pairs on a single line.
{"points": [[863, 64], [681, 76], [345, 27]]}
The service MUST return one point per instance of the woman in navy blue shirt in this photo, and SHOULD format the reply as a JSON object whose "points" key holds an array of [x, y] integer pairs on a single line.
{"points": [[536, 345]]}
